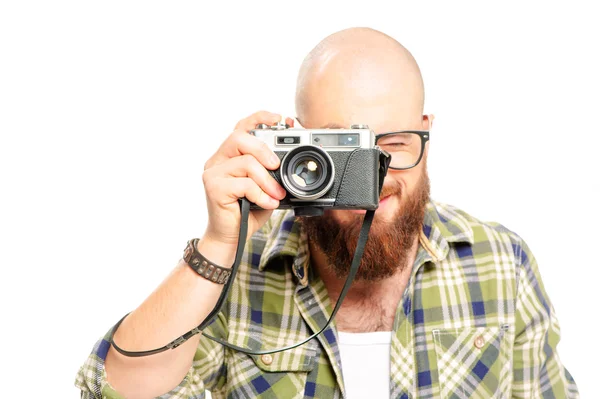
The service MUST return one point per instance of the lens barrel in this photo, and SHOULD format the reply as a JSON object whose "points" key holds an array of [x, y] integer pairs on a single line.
{"points": [[307, 172]]}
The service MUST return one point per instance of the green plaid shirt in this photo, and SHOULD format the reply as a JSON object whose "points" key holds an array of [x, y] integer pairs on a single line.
{"points": [[474, 321]]}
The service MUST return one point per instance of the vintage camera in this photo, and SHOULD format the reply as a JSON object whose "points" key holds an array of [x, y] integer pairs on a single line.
{"points": [[326, 168]]}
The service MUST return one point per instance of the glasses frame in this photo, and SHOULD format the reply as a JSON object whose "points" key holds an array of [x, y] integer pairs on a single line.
{"points": [[423, 134]]}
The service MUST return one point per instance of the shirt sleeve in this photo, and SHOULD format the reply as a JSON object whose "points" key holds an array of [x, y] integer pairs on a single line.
{"points": [[208, 371], [537, 369]]}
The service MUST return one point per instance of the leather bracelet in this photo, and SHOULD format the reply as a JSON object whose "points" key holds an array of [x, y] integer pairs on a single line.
{"points": [[202, 266]]}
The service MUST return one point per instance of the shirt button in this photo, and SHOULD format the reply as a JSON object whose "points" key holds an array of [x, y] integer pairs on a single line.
{"points": [[267, 359], [479, 342], [196, 377]]}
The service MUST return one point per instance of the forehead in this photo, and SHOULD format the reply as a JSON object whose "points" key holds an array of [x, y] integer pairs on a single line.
{"points": [[337, 103], [379, 119], [383, 93]]}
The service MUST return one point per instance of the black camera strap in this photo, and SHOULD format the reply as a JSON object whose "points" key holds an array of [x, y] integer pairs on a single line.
{"points": [[245, 213]]}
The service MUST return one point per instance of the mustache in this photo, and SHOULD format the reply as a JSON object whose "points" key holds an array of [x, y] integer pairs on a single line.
{"points": [[393, 188]]}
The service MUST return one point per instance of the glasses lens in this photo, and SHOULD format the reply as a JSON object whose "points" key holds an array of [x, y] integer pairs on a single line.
{"points": [[405, 148]]}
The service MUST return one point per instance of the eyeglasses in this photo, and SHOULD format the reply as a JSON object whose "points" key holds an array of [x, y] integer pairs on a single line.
{"points": [[405, 147]]}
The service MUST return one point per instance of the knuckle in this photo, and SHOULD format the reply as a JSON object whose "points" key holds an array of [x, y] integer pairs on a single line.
{"points": [[241, 136], [234, 140], [260, 194], [205, 179], [258, 169], [251, 159], [250, 189], [235, 135], [262, 114], [265, 147], [255, 146], [263, 150], [253, 168], [266, 116], [247, 161], [245, 184], [248, 186]]}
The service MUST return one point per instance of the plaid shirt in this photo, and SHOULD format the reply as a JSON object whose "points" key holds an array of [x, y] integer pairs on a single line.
{"points": [[474, 321]]}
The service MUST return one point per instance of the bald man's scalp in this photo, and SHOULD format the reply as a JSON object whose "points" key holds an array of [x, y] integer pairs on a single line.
{"points": [[364, 67]]}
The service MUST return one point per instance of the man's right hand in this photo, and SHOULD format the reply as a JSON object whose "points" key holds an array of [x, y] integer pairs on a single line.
{"points": [[239, 169]]}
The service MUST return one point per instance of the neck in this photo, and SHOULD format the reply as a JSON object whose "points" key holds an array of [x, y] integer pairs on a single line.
{"points": [[368, 305]]}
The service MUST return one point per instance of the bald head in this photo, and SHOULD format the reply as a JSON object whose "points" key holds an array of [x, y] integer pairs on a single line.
{"points": [[360, 75]]}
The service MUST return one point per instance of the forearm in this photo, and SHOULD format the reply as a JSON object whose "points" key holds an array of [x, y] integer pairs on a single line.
{"points": [[181, 302]]}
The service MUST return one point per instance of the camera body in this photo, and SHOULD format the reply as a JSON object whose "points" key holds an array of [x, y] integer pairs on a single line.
{"points": [[326, 168]]}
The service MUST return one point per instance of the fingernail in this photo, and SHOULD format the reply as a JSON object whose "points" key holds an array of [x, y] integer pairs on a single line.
{"points": [[274, 159]]}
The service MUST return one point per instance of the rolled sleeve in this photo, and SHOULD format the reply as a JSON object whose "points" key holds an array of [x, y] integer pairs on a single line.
{"points": [[538, 371], [207, 371]]}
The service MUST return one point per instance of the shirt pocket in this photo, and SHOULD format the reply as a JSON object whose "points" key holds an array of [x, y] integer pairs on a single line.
{"points": [[473, 362], [282, 374]]}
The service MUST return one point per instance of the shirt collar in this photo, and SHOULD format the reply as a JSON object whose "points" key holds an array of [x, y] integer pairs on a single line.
{"points": [[442, 224], [284, 237]]}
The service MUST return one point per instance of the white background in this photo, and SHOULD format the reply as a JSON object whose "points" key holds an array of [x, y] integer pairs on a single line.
{"points": [[108, 111]]}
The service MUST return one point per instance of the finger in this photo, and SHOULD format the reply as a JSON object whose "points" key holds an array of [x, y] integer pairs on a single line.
{"points": [[289, 121], [241, 143], [248, 166], [241, 187], [224, 189], [250, 122]]}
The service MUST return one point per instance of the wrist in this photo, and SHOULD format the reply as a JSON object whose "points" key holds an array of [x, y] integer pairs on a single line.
{"points": [[218, 252]]}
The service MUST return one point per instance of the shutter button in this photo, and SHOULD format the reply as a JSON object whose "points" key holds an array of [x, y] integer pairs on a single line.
{"points": [[479, 342], [267, 359]]}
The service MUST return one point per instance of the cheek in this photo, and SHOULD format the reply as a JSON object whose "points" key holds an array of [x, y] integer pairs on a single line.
{"points": [[407, 180], [411, 184]]}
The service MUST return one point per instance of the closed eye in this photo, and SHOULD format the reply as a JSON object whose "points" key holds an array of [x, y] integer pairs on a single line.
{"points": [[396, 140]]}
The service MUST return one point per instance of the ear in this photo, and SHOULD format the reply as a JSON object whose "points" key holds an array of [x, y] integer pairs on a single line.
{"points": [[427, 122]]}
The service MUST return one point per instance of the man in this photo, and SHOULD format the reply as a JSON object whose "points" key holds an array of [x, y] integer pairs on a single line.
{"points": [[443, 305]]}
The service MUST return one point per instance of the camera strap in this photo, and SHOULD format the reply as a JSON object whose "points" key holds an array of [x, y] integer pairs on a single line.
{"points": [[245, 213]]}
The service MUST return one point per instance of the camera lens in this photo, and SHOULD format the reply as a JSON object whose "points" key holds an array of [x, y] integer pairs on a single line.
{"points": [[307, 172]]}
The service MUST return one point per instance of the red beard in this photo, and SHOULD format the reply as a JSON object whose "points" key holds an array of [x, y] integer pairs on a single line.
{"points": [[389, 243]]}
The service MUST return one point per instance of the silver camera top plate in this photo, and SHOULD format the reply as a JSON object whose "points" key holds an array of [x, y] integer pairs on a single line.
{"points": [[282, 138]]}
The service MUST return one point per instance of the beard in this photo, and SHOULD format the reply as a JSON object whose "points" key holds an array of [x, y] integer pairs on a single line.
{"points": [[390, 241]]}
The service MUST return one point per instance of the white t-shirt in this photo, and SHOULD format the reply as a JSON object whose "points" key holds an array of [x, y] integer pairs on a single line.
{"points": [[366, 364]]}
